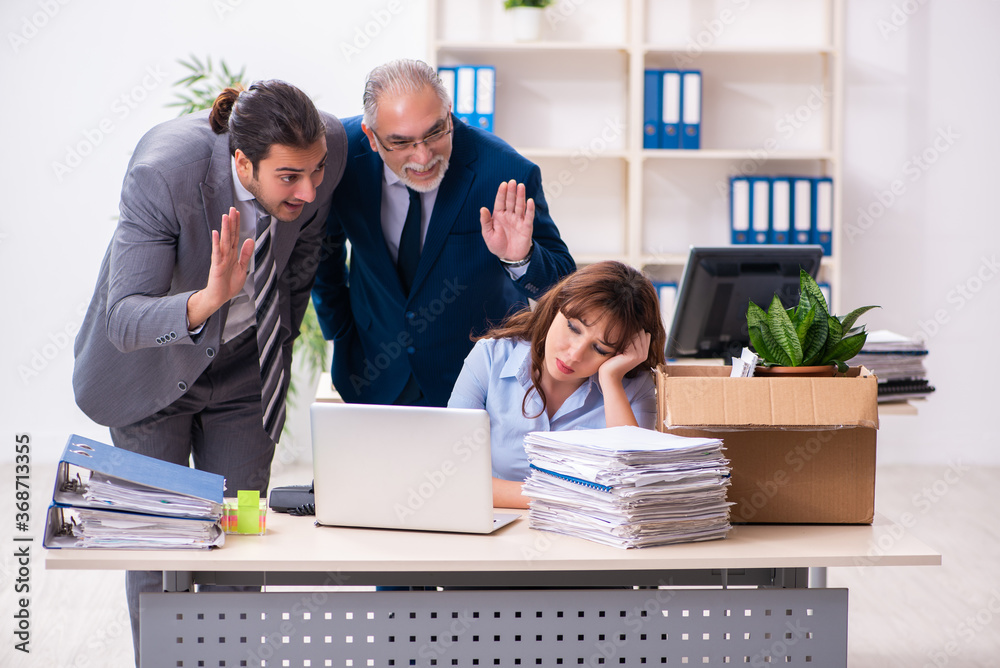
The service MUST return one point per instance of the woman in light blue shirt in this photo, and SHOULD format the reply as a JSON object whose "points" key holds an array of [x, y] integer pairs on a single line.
{"points": [[581, 359]]}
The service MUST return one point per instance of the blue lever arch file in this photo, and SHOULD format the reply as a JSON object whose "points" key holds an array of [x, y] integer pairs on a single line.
{"points": [[170, 482], [691, 109], [760, 209], [739, 209], [670, 110], [823, 213], [652, 105], [781, 210]]}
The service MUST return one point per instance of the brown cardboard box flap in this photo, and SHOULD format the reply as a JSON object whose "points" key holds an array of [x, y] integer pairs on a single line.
{"points": [[705, 396]]}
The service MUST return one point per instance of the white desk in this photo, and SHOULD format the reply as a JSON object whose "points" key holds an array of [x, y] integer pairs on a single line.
{"points": [[780, 619]]}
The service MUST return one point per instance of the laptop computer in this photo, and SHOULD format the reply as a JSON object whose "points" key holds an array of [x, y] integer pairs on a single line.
{"points": [[403, 467]]}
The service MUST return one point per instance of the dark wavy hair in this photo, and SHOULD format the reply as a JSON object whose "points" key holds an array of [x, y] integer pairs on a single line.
{"points": [[610, 292], [267, 113]]}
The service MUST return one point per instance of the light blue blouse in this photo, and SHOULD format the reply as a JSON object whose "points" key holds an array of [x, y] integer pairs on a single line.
{"points": [[496, 375]]}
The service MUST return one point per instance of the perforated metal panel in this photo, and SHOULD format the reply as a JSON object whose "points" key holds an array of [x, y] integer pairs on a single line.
{"points": [[756, 627]]}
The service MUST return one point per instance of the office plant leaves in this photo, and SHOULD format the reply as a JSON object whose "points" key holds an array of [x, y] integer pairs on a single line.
{"points": [[806, 334]]}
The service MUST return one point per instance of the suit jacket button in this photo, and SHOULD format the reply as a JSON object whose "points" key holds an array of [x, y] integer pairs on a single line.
{"points": [[173, 335], [210, 352], [182, 386], [411, 349]]}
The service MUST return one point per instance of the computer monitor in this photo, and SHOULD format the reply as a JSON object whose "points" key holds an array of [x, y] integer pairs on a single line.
{"points": [[718, 284]]}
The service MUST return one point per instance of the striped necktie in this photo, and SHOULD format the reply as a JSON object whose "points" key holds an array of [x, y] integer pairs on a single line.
{"points": [[272, 373]]}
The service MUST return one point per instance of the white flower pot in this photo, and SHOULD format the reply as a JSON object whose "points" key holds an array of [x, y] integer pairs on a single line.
{"points": [[527, 23]]}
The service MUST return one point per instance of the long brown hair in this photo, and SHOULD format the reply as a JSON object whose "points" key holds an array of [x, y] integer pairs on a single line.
{"points": [[611, 291]]}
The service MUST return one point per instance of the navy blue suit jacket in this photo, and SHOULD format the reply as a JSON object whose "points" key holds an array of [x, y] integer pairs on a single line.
{"points": [[461, 289]]}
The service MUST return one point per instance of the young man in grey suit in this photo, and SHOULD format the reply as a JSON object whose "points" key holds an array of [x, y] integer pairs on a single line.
{"points": [[186, 347], [482, 243]]}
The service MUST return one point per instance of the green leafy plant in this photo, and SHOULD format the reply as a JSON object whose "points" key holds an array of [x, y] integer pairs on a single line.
{"points": [[510, 4], [806, 334], [196, 92]]}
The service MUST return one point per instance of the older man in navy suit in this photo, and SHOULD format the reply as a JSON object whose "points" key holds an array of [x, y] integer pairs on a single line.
{"points": [[449, 232]]}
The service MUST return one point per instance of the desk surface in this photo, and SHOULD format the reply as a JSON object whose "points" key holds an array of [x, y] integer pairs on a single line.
{"points": [[295, 544]]}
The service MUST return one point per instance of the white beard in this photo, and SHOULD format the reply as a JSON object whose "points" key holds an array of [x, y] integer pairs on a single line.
{"points": [[425, 187]]}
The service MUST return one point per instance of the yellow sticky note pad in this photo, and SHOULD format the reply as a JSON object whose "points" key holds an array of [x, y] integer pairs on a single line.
{"points": [[246, 514]]}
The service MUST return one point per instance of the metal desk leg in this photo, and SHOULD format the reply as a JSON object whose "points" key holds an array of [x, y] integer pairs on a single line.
{"points": [[817, 577]]}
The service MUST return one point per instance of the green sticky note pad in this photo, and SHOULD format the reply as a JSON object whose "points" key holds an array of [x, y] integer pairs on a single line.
{"points": [[248, 511]]}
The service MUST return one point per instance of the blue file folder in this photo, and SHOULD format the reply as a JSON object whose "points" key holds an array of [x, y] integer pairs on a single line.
{"points": [[473, 91], [739, 209], [171, 479], [691, 109], [447, 77], [781, 210], [652, 109], [670, 134], [802, 210], [485, 97], [760, 209], [823, 213]]}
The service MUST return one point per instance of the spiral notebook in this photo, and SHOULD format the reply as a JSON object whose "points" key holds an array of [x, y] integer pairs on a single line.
{"points": [[403, 467]]}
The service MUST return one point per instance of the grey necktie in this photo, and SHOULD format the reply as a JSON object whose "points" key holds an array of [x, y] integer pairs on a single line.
{"points": [[265, 283]]}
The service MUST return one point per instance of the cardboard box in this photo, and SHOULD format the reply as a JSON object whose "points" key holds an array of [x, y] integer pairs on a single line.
{"points": [[802, 450]]}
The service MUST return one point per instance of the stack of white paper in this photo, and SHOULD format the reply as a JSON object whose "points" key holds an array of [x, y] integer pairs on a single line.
{"points": [[627, 486], [100, 528], [898, 361], [115, 493]]}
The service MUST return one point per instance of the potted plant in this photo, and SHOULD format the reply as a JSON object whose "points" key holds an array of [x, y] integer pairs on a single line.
{"points": [[805, 335], [527, 17]]}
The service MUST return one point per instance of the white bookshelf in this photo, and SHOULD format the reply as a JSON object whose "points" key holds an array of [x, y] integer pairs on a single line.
{"points": [[573, 103]]}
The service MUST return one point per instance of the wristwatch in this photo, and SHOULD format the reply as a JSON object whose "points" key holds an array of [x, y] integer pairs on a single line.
{"points": [[520, 263]]}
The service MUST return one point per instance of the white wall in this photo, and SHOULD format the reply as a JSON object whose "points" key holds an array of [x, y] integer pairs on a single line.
{"points": [[92, 78], [96, 79], [921, 85]]}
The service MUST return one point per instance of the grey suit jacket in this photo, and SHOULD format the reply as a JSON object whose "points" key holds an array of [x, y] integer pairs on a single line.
{"points": [[134, 356]]}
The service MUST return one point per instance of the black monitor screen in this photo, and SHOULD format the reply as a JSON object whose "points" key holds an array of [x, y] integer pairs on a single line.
{"points": [[719, 283]]}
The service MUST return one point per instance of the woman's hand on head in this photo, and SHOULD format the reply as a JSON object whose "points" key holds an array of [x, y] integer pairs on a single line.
{"points": [[635, 353]]}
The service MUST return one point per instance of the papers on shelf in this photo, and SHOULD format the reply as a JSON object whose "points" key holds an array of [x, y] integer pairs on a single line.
{"points": [[627, 487], [898, 362]]}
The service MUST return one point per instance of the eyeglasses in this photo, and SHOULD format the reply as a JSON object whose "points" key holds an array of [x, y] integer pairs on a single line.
{"points": [[404, 145]]}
